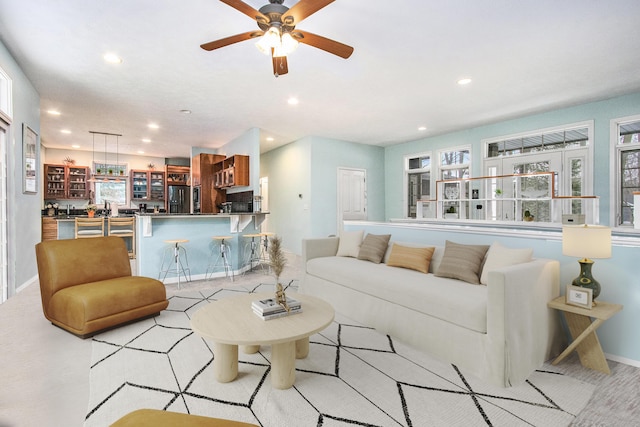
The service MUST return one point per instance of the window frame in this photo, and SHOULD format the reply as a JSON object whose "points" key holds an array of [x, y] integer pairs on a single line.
{"points": [[407, 172], [615, 197]]}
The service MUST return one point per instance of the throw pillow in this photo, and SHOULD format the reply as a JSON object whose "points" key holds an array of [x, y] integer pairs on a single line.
{"points": [[500, 256], [462, 262], [350, 242], [412, 258], [373, 247]]}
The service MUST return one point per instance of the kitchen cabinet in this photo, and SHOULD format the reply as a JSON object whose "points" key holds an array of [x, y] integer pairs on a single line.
{"points": [[147, 185], [66, 181], [178, 175], [49, 229], [233, 171], [202, 178]]}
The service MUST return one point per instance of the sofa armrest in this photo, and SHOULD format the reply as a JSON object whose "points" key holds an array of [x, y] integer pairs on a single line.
{"points": [[518, 316], [317, 248]]}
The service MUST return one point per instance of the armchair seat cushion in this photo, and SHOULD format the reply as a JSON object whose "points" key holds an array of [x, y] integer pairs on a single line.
{"points": [[80, 304]]}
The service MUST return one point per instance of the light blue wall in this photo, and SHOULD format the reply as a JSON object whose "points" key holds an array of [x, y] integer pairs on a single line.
{"points": [[600, 112], [247, 144], [288, 169], [303, 186], [23, 210]]}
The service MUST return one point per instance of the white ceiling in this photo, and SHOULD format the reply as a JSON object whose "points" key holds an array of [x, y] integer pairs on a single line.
{"points": [[524, 57]]}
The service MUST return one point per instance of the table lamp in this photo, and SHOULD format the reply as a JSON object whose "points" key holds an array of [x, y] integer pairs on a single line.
{"points": [[586, 241]]}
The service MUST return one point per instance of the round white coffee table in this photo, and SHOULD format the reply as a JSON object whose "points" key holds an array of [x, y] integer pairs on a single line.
{"points": [[231, 322]]}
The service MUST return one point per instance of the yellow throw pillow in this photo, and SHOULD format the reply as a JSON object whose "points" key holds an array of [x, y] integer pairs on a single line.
{"points": [[412, 258]]}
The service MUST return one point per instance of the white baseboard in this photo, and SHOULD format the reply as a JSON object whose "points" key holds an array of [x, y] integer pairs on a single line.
{"points": [[26, 284], [619, 359]]}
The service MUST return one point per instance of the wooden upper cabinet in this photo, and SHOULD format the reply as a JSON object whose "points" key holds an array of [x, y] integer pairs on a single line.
{"points": [[66, 181], [232, 172], [178, 175], [147, 185], [202, 175]]}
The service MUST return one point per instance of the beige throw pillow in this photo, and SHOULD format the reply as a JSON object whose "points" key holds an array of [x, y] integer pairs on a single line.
{"points": [[373, 247], [462, 262], [412, 258], [500, 256], [349, 244]]}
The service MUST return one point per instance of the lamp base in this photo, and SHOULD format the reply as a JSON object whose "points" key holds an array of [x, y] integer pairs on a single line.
{"points": [[585, 279]]}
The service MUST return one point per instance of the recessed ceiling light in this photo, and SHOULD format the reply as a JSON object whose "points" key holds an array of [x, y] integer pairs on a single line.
{"points": [[140, 152], [293, 101], [75, 146], [464, 81], [269, 138], [153, 126], [67, 131], [112, 58], [53, 112], [147, 140], [422, 128]]}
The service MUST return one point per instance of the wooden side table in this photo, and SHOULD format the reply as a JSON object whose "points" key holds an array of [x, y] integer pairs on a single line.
{"points": [[583, 332]]}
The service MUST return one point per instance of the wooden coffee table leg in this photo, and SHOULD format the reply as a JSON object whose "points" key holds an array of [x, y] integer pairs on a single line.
{"points": [[283, 365], [302, 348], [250, 349], [225, 362]]}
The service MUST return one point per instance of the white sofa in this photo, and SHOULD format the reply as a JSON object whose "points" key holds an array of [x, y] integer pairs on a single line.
{"points": [[500, 333]]}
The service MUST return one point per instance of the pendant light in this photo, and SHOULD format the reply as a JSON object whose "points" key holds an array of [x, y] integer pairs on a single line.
{"points": [[93, 157], [117, 168]]}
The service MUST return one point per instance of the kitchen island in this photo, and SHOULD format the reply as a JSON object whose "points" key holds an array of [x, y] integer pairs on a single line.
{"points": [[153, 229]]}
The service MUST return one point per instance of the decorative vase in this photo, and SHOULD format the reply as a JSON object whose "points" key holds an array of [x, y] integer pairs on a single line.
{"points": [[91, 214]]}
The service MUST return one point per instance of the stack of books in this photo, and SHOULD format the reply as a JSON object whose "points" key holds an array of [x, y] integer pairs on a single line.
{"points": [[268, 309]]}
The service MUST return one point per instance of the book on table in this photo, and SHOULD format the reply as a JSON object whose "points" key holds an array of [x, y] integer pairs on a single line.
{"points": [[270, 305], [277, 314]]}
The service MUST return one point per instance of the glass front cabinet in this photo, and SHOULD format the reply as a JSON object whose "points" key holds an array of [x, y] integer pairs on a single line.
{"points": [[524, 197], [66, 181], [147, 185]]}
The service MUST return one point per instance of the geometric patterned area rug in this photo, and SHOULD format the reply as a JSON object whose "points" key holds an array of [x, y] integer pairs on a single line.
{"points": [[353, 376]]}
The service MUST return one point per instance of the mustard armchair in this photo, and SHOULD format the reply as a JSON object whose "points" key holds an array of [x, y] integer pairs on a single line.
{"points": [[87, 287]]}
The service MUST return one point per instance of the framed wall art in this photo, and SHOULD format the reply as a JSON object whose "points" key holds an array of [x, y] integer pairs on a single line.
{"points": [[580, 297], [29, 160]]}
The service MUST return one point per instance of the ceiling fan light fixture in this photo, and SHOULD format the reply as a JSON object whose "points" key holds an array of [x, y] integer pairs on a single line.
{"points": [[270, 40], [289, 44]]}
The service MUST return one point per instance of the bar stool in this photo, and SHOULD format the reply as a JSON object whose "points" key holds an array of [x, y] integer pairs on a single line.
{"points": [[123, 227], [265, 245], [86, 228], [222, 258], [172, 256], [252, 250]]}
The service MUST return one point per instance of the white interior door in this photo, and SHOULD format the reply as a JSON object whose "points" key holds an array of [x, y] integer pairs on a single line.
{"points": [[352, 195]]}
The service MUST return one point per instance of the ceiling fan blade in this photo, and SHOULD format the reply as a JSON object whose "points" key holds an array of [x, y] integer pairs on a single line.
{"points": [[280, 66], [328, 45], [231, 40], [302, 10], [246, 9]]}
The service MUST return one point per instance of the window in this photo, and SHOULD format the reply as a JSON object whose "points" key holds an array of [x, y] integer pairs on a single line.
{"points": [[455, 164], [111, 190], [418, 173], [627, 169], [564, 150]]}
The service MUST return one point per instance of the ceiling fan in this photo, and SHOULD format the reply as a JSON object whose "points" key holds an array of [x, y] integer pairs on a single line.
{"points": [[278, 33]]}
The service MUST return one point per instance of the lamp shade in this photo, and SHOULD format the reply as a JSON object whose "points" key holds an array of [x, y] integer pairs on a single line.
{"points": [[586, 241]]}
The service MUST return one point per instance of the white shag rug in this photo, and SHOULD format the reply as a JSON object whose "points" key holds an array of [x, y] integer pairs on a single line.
{"points": [[353, 375]]}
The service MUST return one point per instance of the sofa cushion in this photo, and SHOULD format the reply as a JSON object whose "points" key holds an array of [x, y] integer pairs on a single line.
{"points": [[350, 242], [413, 258], [462, 262], [451, 300], [500, 256], [373, 247]]}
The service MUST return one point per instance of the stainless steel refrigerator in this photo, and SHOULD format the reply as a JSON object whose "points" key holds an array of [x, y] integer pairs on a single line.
{"points": [[179, 199]]}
